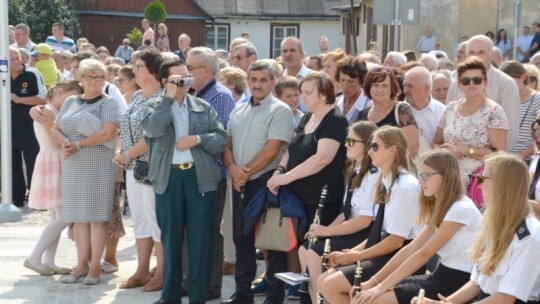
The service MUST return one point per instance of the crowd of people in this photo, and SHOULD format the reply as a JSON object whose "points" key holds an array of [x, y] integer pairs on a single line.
{"points": [[430, 165]]}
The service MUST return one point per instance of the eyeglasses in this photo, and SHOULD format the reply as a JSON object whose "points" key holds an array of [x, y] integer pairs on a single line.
{"points": [[424, 176], [126, 42], [191, 68], [533, 79], [481, 178], [92, 78], [467, 80], [351, 141]]}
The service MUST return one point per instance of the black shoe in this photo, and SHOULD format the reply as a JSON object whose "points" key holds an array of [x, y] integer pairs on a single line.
{"points": [[259, 255], [184, 293], [167, 302], [213, 295], [237, 300], [268, 301]]}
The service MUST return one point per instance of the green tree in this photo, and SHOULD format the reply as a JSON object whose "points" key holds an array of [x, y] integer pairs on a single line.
{"points": [[135, 37], [40, 15], [155, 13]]}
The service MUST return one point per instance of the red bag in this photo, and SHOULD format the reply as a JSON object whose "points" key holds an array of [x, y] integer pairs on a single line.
{"points": [[474, 191]]}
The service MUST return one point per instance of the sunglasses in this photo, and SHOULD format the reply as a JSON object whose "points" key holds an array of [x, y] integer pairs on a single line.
{"points": [[481, 178], [533, 79], [424, 176], [476, 80], [536, 122], [351, 141]]}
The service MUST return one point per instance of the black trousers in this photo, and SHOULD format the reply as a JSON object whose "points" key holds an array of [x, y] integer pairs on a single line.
{"points": [[27, 150]]}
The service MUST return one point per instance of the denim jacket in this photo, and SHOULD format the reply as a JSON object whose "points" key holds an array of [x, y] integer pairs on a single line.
{"points": [[158, 127]]}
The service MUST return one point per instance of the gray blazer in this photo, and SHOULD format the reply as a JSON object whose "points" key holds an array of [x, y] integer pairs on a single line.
{"points": [[160, 136]]}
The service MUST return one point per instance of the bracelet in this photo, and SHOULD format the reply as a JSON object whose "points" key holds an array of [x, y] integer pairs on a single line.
{"points": [[78, 145], [128, 157], [374, 279], [281, 169]]}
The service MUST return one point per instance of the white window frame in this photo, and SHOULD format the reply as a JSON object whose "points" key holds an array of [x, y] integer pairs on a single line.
{"points": [[275, 42], [213, 42]]}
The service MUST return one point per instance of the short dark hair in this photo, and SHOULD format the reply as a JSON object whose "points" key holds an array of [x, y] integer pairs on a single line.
{"points": [[152, 59], [59, 24], [163, 72], [379, 74], [319, 60], [286, 82], [471, 63], [324, 85], [352, 67]]}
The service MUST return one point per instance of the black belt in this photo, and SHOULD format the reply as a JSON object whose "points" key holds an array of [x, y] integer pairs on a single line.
{"points": [[183, 166]]}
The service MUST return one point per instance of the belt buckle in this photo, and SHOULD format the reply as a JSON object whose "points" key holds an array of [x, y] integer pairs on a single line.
{"points": [[185, 166]]}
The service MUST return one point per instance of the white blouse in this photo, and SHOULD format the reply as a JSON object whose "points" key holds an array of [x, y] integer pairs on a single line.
{"points": [[402, 208], [455, 253], [518, 273], [362, 203]]}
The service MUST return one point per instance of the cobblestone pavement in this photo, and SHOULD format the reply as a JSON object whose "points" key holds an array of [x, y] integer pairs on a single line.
{"points": [[21, 285]]}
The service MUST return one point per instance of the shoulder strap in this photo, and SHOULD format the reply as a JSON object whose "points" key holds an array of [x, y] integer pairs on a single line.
{"points": [[107, 89], [303, 122], [396, 113]]}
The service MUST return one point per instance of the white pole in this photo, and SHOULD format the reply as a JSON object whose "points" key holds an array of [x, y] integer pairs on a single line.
{"points": [[396, 26], [8, 212], [517, 25]]}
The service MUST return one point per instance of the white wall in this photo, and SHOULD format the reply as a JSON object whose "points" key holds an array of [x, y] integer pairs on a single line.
{"points": [[310, 31]]}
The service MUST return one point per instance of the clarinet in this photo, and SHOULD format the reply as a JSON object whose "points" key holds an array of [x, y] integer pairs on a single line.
{"points": [[357, 278], [326, 252], [304, 287]]}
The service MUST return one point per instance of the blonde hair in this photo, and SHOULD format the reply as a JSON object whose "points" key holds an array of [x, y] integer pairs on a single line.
{"points": [[163, 27], [532, 70], [504, 213], [433, 209], [391, 136], [64, 85], [235, 76]]}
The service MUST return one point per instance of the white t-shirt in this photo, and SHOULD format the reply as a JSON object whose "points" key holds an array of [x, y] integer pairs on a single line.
{"points": [[518, 273], [428, 117], [455, 253], [524, 43], [362, 203], [402, 207], [114, 92]]}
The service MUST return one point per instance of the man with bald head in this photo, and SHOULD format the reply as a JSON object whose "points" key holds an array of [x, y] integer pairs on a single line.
{"points": [[501, 88], [426, 110]]}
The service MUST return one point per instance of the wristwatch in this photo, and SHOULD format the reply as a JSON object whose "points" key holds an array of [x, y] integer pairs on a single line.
{"points": [[471, 151], [198, 139]]}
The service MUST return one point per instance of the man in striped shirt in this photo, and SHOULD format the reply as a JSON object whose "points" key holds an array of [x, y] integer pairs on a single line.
{"points": [[59, 42]]}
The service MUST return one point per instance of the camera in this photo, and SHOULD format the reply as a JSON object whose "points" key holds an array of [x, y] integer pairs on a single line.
{"points": [[183, 82]]}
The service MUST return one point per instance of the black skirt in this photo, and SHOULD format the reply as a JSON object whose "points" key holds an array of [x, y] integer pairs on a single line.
{"points": [[444, 280], [340, 242]]}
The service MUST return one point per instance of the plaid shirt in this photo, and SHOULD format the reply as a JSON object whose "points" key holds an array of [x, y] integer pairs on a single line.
{"points": [[220, 98]]}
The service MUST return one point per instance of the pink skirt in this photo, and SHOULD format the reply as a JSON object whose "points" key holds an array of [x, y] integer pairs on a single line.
{"points": [[46, 192]]}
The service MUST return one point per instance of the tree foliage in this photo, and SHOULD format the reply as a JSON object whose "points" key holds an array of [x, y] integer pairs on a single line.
{"points": [[135, 37], [40, 15], [155, 12]]}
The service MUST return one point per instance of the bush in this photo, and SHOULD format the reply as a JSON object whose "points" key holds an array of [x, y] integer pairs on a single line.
{"points": [[135, 37]]}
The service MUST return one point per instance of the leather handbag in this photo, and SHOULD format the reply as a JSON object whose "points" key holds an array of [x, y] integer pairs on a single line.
{"points": [[275, 232], [140, 171]]}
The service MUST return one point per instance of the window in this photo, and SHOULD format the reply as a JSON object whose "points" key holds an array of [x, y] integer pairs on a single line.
{"points": [[217, 36], [279, 32]]}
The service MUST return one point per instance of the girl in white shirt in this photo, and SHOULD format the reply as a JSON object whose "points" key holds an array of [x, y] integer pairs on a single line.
{"points": [[352, 226], [506, 251], [397, 195], [452, 223]]}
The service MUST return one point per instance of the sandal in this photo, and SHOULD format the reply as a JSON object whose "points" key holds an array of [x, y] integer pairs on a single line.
{"points": [[107, 267], [152, 285], [133, 283]]}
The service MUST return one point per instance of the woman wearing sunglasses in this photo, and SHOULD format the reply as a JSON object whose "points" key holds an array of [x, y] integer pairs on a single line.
{"points": [[352, 226], [396, 194], [451, 224], [505, 254], [530, 106], [474, 126]]}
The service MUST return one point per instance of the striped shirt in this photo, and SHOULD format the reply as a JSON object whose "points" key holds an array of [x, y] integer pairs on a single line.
{"points": [[67, 44], [529, 111]]}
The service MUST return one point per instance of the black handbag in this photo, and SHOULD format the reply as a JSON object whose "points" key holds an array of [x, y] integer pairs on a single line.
{"points": [[140, 171]]}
